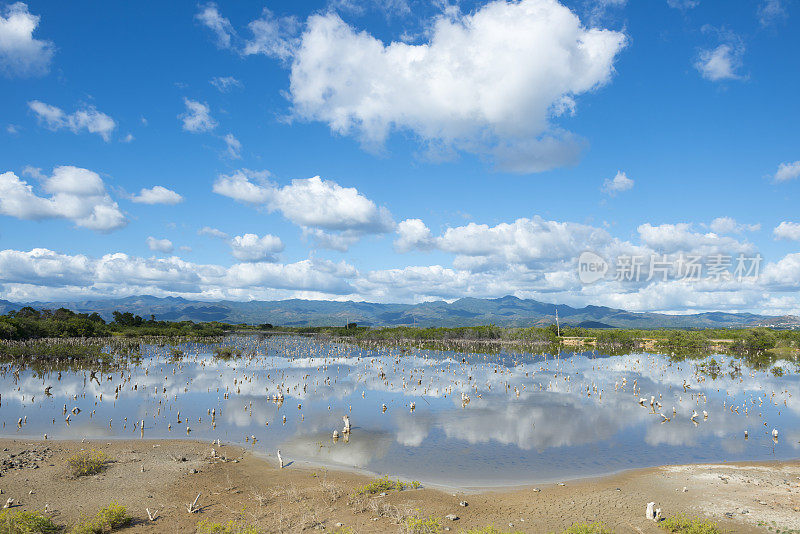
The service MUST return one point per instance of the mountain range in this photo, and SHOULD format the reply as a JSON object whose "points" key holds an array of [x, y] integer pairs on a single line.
{"points": [[506, 311]]}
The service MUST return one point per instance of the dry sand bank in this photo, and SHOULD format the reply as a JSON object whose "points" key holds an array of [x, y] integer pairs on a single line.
{"points": [[297, 498]]}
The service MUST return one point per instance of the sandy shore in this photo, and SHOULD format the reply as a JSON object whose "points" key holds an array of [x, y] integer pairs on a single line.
{"points": [[167, 475]]}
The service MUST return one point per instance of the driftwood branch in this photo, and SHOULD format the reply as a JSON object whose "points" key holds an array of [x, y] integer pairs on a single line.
{"points": [[192, 507]]}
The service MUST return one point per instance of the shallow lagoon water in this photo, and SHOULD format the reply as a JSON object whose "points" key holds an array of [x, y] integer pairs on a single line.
{"points": [[529, 419]]}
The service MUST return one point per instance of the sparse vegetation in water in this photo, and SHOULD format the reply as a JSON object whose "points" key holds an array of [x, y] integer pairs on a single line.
{"points": [[588, 528], [24, 522], [86, 463], [207, 526], [380, 485], [420, 525], [108, 519], [175, 355], [681, 524], [227, 353]]}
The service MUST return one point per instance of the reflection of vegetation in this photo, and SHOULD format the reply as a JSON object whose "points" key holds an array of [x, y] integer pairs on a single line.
{"points": [[29, 335], [709, 367], [50, 349], [683, 525]]}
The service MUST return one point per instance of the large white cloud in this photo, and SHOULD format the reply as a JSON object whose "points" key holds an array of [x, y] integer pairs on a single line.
{"points": [[489, 82], [87, 118], [534, 241], [26, 274], [42, 274], [76, 194], [333, 215], [20, 54]]}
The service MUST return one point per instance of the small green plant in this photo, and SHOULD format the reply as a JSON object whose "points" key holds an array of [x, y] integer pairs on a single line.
{"points": [[22, 522], [683, 525], [419, 525], [110, 518], [344, 530], [773, 526], [489, 530], [588, 528], [381, 485], [416, 484], [87, 463], [231, 527]]}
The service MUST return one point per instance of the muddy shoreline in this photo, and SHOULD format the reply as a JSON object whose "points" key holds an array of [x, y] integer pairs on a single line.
{"points": [[166, 475]]}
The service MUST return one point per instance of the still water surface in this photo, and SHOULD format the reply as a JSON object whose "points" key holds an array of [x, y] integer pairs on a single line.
{"points": [[478, 420]]}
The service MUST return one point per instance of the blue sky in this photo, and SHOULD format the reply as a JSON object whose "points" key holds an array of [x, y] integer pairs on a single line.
{"points": [[462, 149]]}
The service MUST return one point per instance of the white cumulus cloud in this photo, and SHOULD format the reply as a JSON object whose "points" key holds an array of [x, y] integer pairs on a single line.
{"points": [[789, 231], [729, 225], [87, 118], [250, 247], [618, 184], [670, 238], [157, 195], [413, 234], [490, 82], [787, 171], [334, 216], [76, 194], [20, 54], [160, 245]]}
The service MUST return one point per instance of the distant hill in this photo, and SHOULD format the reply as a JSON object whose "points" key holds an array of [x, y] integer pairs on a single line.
{"points": [[505, 311]]}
